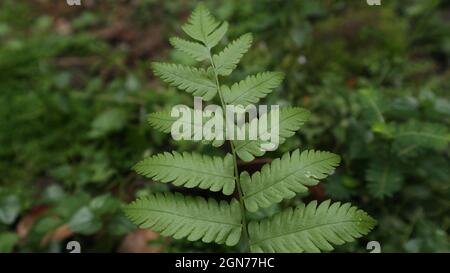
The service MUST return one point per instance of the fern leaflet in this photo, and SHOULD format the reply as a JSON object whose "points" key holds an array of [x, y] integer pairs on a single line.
{"points": [[202, 27], [227, 60], [309, 228], [285, 177], [188, 217], [420, 134], [384, 179], [252, 89], [196, 81], [290, 120], [190, 170], [197, 51], [163, 121]]}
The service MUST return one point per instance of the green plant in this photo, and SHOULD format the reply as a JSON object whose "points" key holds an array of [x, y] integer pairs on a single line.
{"points": [[396, 141], [306, 228], [59, 188]]}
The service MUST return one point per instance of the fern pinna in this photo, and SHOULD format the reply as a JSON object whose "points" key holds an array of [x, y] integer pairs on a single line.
{"points": [[311, 228]]}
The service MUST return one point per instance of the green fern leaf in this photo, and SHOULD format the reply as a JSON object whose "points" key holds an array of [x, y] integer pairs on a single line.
{"points": [[384, 179], [214, 38], [309, 229], [202, 27], [227, 60], [196, 81], [197, 51], [373, 106], [200, 24], [190, 170], [303, 229], [188, 217], [416, 134], [285, 177], [163, 121], [252, 89], [290, 120]]}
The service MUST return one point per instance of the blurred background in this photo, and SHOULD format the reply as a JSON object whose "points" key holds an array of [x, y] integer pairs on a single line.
{"points": [[76, 86]]}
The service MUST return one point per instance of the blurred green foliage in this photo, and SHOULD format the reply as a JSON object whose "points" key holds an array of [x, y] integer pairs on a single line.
{"points": [[75, 89]]}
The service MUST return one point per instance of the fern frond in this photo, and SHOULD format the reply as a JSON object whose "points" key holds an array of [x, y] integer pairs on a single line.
{"points": [[202, 27], [188, 217], [200, 24], [373, 106], [309, 229], [252, 89], [416, 134], [290, 120], [285, 177], [190, 170], [197, 51], [163, 121], [214, 38], [384, 179], [196, 81], [227, 60]]}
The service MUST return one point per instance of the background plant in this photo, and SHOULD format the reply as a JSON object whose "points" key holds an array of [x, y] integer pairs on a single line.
{"points": [[69, 75]]}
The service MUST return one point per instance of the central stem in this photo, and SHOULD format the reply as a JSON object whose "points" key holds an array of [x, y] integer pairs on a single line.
{"points": [[236, 171]]}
